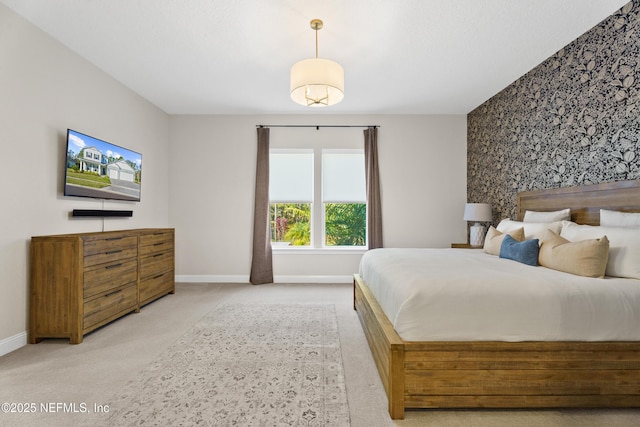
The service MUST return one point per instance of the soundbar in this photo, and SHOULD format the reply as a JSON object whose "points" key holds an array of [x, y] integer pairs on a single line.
{"points": [[101, 213]]}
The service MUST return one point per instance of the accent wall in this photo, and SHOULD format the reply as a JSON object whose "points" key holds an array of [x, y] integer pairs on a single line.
{"points": [[572, 120]]}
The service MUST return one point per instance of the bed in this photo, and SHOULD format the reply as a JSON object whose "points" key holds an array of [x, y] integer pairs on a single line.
{"points": [[462, 373]]}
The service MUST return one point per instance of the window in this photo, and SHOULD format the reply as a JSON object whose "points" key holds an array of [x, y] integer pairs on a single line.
{"points": [[317, 198], [290, 196], [344, 198]]}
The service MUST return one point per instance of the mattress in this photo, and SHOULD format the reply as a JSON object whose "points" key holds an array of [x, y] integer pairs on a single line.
{"points": [[469, 295]]}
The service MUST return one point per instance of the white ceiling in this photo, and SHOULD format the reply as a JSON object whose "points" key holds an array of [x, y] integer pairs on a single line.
{"points": [[234, 56]]}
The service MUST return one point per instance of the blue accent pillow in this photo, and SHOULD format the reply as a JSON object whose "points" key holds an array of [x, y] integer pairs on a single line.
{"points": [[525, 252]]}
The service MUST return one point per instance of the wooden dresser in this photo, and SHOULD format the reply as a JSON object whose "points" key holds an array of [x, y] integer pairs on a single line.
{"points": [[80, 282]]}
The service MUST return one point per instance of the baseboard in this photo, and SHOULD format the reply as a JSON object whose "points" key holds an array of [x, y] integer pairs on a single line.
{"points": [[312, 279], [187, 278], [211, 278], [10, 344]]}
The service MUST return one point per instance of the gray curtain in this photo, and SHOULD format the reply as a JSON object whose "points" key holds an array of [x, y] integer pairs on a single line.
{"points": [[374, 206], [261, 262]]}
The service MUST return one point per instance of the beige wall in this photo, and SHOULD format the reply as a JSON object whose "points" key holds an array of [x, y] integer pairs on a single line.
{"points": [[45, 89], [423, 178], [198, 172]]}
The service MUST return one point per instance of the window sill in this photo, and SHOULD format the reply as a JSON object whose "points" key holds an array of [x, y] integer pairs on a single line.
{"points": [[293, 250]]}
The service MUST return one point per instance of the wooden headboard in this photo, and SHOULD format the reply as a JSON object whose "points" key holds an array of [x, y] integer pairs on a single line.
{"points": [[584, 201]]}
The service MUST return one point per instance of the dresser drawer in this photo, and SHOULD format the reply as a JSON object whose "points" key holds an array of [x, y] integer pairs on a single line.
{"points": [[102, 308], [110, 256], [103, 249], [104, 277], [157, 247], [156, 264], [156, 285], [156, 237], [101, 244]]}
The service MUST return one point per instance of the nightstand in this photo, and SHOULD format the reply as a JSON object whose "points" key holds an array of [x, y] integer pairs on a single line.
{"points": [[464, 246]]}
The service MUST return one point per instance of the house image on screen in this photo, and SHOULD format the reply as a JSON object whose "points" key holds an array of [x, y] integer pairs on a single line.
{"points": [[121, 170], [92, 160]]}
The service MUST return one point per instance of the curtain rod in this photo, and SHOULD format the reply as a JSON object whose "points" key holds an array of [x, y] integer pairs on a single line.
{"points": [[317, 126]]}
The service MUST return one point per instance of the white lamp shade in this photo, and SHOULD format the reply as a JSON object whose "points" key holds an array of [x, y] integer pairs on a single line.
{"points": [[317, 82], [479, 212]]}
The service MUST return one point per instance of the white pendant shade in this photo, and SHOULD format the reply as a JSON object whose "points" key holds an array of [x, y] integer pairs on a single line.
{"points": [[317, 82]]}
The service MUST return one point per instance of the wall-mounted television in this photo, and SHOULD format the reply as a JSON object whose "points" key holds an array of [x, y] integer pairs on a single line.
{"points": [[99, 169]]}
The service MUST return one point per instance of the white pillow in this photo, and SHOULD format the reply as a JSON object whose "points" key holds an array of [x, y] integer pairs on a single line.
{"points": [[532, 230], [535, 216], [619, 219], [624, 246]]}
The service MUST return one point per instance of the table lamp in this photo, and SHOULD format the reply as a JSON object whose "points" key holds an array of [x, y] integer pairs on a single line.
{"points": [[477, 212]]}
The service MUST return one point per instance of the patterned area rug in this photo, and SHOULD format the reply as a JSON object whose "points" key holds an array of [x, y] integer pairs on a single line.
{"points": [[244, 365]]}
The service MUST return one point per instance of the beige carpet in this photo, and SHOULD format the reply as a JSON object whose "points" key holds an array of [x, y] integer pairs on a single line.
{"points": [[110, 358], [243, 365]]}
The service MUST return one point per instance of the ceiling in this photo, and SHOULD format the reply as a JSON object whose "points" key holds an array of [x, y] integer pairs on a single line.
{"points": [[234, 56]]}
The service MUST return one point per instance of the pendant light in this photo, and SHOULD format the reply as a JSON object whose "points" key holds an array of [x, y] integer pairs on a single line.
{"points": [[317, 82]]}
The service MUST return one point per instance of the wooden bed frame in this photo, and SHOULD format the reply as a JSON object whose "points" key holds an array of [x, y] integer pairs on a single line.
{"points": [[490, 374]]}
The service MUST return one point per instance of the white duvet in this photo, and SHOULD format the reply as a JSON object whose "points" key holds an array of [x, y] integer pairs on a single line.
{"points": [[468, 295]]}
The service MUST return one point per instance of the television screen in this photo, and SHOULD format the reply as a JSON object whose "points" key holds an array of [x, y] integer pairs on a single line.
{"points": [[98, 169]]}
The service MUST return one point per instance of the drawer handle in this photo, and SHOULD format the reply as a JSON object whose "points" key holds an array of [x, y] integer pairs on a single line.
{"points": [[113, 266], [113, 252], [158, 276], [113, 293], [114, 238], [157, 255], [158, 244]]}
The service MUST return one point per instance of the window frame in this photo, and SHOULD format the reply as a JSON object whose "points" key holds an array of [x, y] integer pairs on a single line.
{"points": [[318, 233], [313, 184]]}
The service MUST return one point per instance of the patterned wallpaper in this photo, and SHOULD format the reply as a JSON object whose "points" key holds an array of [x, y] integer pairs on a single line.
{"points": [[572, 120]]}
